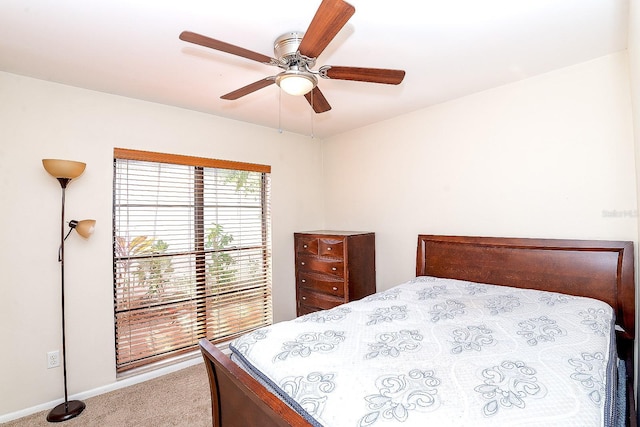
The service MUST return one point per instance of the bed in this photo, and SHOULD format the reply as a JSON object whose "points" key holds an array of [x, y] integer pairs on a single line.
{"points": [[588, 284]]}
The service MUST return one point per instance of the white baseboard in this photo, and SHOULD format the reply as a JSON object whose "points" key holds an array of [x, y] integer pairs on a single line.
{"points": [[118, 384]]}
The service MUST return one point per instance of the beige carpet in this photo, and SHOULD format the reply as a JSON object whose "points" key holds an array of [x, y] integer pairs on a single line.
{"points": [[180, 398]]}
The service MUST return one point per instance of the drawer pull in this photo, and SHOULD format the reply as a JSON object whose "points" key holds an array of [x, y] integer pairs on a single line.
{"points": [[302, 263], [304, 280], [305, 246], [329, 248], [335, 288], [304, 298], [334, 268]]}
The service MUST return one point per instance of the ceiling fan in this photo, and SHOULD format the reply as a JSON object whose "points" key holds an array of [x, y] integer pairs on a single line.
{"points": [[296, 54]]}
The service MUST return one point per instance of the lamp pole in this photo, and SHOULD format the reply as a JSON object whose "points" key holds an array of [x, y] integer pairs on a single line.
{"points": [[67, 409]]}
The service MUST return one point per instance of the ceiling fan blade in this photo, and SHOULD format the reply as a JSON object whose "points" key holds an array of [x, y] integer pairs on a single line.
{"points": [[238, 93], [317, 101], [331, 16], [371, 75], [205, 41]]}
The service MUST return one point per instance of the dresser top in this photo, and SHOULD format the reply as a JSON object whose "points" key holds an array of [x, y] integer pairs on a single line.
{"points": [[334, 232]]}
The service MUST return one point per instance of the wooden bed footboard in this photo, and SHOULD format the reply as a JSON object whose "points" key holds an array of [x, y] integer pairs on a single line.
{"points": [[239, 400]]}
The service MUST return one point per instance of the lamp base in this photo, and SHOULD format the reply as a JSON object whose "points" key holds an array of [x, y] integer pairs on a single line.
{"points": [[65, 411]]}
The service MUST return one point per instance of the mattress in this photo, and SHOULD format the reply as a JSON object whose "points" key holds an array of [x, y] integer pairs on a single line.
{"points": [[446, 352]]}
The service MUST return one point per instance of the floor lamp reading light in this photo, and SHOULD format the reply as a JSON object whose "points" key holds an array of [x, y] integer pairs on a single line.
{"points": [[64, 171]]}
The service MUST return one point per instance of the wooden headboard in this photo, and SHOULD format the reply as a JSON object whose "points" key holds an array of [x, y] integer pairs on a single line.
{"points": [[592, 268]]}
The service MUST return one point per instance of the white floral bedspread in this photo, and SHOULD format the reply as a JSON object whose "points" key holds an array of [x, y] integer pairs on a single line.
{"points": [[443, 352]]}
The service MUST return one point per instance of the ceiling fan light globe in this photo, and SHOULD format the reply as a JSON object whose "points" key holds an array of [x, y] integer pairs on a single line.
{"points": [[296, 83]]}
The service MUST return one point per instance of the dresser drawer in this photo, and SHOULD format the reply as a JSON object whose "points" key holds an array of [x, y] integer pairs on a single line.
{"points": [[318, 300], [321, 265], [331, 287], [305, 309], [307, 245], [331, 248]]}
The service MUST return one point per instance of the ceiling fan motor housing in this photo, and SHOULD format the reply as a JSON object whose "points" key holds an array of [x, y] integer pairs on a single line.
{"points": [[286, 47]]}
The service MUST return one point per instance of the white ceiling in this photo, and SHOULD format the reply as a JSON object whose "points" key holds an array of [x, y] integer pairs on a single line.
{"points": [[449, 48]]}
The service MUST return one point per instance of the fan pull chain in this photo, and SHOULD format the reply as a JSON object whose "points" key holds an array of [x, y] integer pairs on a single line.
{"points": [[279, 111], [312, 111]]}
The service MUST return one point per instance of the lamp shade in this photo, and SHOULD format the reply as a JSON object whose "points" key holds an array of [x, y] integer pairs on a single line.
{"points": [[85, 227], [68, 169]]}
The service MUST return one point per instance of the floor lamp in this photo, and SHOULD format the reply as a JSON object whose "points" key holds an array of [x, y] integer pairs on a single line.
{"points": [[64, 171]]}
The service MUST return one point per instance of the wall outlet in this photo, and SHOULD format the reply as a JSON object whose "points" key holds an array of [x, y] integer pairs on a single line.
{"points": [[53, 359]]}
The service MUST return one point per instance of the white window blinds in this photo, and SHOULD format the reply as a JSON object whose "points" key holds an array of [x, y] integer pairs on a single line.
{"points": [[192, 253]]}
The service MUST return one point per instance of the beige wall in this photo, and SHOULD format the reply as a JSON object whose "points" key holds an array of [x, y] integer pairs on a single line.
{"points": [[543, 157], [634, 73], [43, 120]]}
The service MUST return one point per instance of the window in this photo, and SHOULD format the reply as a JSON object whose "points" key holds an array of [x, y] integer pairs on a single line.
{"points": [[191, 253]]}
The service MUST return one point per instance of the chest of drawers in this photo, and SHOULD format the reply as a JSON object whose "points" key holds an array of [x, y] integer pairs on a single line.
{"points": [[333, 267]]}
